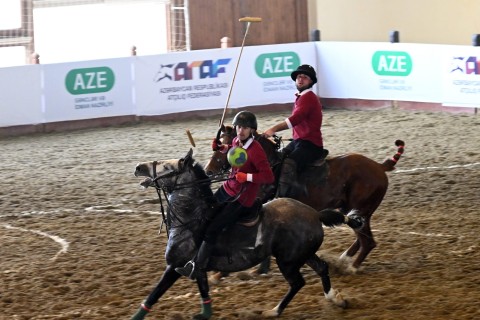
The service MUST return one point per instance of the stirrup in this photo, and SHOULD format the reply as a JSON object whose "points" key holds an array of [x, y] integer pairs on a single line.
{"points": [[188, 270]]}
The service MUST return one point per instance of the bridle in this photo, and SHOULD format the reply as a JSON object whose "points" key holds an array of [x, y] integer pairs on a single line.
{"points": [[162, 188]]}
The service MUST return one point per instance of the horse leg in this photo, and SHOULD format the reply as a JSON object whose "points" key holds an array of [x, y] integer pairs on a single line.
{"points": [[263, 267], [321, 268], [351, 251], [206, 303], [295, 280], [216, 276], [168, 279], [367, 244]]}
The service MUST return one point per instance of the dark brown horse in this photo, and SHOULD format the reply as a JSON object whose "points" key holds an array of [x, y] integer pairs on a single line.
{"points": [[347, 182]]}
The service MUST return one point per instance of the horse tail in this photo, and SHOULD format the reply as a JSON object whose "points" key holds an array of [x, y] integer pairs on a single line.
{"points": [[332, 217], [389, 164]]}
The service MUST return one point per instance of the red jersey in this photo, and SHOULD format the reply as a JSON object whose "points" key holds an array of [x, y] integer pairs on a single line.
{"points": [[306, 118], [257, 164]]}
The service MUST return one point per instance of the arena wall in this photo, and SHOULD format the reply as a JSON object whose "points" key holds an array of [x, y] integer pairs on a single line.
{"points": [[427, 21]]}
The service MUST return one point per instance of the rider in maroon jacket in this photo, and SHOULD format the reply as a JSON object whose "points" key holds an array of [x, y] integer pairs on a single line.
{"points": [[306, 123], [239, 192]]}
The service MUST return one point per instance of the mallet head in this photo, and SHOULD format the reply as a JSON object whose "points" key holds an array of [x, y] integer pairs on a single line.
{"points": [[250, 19]]}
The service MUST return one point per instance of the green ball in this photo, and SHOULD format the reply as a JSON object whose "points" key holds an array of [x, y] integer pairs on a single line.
{"points": [[237, 157]]}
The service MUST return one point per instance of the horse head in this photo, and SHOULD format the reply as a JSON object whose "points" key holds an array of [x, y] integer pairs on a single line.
{"points": [[171, 174], [218, 163]]}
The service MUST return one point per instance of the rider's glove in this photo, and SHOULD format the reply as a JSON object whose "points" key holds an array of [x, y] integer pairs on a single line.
{"points": [[215, 145], [241, 177]]}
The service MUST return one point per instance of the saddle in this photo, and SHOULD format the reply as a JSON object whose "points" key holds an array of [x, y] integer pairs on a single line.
{"points": [[319, 165], [321, 160], [321, 168], [251, 218]]}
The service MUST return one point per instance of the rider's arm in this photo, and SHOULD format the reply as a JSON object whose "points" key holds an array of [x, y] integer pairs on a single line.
{"points": [[278, 127]]}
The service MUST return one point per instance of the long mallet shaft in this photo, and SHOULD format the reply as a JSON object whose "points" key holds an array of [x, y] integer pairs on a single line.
{"points": [[248, 20]]}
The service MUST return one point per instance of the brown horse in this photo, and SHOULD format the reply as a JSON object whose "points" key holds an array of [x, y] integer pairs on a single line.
{"points": [[347, 182]]}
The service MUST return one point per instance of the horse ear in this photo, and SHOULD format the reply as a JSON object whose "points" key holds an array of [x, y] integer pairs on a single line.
{"points": [[188, 158], [230, 131]]}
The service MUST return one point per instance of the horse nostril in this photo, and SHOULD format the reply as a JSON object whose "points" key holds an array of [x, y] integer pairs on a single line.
{"points": [[209, 172]]}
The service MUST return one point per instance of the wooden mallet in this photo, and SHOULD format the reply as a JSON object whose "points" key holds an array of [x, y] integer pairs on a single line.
{"points": [[248, 20]]}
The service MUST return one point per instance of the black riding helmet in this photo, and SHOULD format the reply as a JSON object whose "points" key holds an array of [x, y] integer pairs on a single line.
{"points": [[305, 69], [245, 119]]}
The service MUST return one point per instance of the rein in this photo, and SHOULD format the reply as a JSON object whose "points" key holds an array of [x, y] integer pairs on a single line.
{"points": [[162, 188]]}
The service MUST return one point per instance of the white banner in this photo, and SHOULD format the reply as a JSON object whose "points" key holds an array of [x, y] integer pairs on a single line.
{"points": [[178, 82], [379, 71], [89, 89], [201, 80], [21, 90], [264, 73], [461, 76]]}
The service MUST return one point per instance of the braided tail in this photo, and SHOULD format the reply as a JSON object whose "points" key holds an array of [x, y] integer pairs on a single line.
{"points": [[389, 164]]}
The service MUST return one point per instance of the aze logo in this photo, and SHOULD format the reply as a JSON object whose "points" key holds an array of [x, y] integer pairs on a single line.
{"points": [[392, 63], [278, 64], [191, 70], [90, 80]]}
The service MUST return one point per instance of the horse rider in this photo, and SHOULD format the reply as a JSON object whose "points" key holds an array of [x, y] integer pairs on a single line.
{"points": [[238, 193], [306, 124]]}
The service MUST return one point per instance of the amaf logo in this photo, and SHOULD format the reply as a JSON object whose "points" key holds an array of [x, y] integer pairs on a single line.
{"points": [[466, 65], [190, 70]]}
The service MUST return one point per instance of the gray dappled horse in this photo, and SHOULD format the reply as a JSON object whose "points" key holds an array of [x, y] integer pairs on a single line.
{"points": [[287, 229]]}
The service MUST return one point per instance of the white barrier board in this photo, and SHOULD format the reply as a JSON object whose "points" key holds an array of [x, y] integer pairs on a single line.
{"points": [[88, 89], [379, 71], [461, 76], [21, 93], [201, 80]]}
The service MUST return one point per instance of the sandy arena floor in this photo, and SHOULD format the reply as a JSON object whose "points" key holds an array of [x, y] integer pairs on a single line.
{"points": [[79, 239]]}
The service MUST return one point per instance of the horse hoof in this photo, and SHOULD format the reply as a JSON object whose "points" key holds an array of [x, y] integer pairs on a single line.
{"points": [[244, 276], [215, 278], [270, 313], [336, 298]]}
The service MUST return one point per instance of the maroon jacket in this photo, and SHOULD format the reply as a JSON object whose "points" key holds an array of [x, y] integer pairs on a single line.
{"points": [[306, 118], [257, 165]]}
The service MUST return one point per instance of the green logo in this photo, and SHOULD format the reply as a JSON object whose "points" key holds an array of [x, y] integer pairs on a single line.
{"points": [[392, 63], [278, 64], [90, 80]]}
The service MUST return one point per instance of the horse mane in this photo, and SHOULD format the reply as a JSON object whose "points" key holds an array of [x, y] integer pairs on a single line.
{"points": [[270, 147], [206, 182], [264, 141]]}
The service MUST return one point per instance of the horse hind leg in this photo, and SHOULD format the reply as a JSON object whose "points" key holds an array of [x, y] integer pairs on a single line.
{"points": [[321, 268], [363, 245], [367, 244], [295, 279]]}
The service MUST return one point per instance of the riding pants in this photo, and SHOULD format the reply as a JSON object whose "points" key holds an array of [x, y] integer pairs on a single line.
{"points": [[228, 216], [303, 152]]}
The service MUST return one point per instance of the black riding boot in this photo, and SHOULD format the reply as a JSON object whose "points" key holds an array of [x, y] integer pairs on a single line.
{"points": [[198, 263], [288, 178]]}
